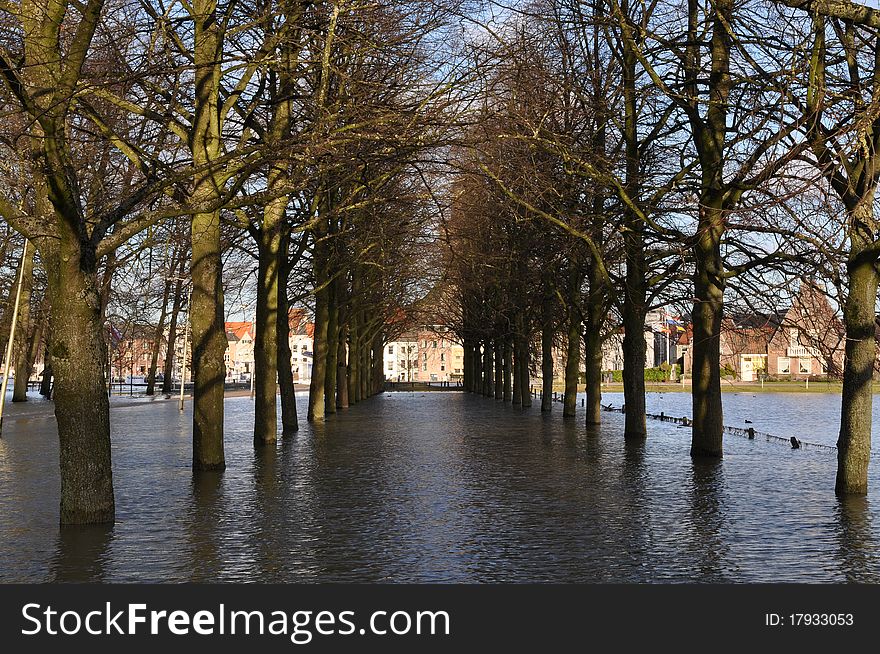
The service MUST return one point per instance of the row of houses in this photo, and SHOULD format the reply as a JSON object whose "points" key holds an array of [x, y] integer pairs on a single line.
{"points": [[803, 340]]}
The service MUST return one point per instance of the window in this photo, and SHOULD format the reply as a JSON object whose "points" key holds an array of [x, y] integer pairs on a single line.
{"points": [[805, 366], [434, 344], [442, 356], [390, 349], [784, 366], [425, 367], [442, 368], [426, 359], [793, 337], [390, 365]]}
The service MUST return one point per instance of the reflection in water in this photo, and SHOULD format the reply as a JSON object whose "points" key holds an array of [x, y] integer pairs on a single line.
{"points": [[435, 487], [81, 553], [857, 549], [707, 545]]}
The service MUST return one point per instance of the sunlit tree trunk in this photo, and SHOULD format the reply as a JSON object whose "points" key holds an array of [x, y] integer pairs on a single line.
{"points": [[79, 357], [854, 441], [206, 312], [708, 425]]}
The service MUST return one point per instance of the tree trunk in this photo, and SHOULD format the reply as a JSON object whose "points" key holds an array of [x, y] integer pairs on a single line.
{"points": [[289, 418], [708, 423], [854, 441], [23, 366], [593, 374], [354, 354], [82, 407], [515, 372], [468, 362], [377, 377], [206, 310], [488, 370], [46, 382], [341, 337], [499, 369], [478, 369], [266, 338], [322, 317], [332, 349], [572, 363], [168, 367], [157, 338], [546, 367]]}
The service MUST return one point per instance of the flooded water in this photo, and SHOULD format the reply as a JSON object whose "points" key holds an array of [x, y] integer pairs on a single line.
{"points": [[437, 487], [811, 417]]}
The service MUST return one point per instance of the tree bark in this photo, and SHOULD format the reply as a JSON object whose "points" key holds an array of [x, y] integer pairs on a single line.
{"points": [[572, 363], [488, 370], [266, 338], [289, 418], [168, 367], [708, 424], [546, 367], [23, 365], [854, 441], [157, 338], [499, 369], [316, 411], [82, 408], [46, 381], [332, 349]]}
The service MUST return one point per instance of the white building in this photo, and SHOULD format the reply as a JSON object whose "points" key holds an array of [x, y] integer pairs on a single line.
{"points": [[401, 359]]}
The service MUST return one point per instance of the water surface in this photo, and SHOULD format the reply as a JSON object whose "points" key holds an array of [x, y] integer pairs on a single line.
{"points": [[437, 487]]}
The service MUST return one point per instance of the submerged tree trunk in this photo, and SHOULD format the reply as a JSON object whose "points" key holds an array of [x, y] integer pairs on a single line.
{"points": [[23, 346], [289, 418], [515, 374], [79, 357], [206, 312], [168, 367], [508, 370], [332, 349], [594, 322], [854, 441], [266, 338], [488, 370], [546, 367], [46, 381], [208, 343], [467, 362], [319, 361], [572, 363], [157, 338], [707, 314], [634, 346], [341, 337], [499, 369]]}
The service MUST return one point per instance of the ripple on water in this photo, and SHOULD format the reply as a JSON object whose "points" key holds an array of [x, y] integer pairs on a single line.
{"points": [[434, 487]]}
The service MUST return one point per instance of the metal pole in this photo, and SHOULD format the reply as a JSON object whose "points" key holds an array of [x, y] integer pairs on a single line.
{"points": [[11, 342], [185, 341]]}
